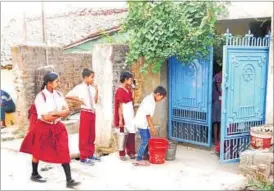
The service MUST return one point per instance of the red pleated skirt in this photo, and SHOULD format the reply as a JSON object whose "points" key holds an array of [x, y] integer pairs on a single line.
{"points": [[47, 142]]}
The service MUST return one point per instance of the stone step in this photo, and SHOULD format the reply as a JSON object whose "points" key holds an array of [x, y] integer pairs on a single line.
{"points": [[253, 161], [72, 125], [11, 133]]}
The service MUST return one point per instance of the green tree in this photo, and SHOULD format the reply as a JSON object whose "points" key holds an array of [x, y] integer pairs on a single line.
{"points": [[158, 30]]}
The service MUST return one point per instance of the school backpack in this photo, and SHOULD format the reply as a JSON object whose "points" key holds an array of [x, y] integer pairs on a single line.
{"points": [[32, 112]]}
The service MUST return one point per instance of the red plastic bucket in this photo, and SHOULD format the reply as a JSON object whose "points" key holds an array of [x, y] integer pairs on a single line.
{"points": [[260, 141], [157, 148]]}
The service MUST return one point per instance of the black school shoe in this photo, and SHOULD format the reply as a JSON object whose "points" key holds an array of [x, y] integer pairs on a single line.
{"points": [[72, 183], [38, 178]]}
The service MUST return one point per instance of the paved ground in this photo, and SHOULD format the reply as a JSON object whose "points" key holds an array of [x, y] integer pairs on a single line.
{"points": [[193, 169]]}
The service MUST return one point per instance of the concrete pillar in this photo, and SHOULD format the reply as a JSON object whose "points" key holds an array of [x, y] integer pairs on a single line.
{"points": [[109, 62]]}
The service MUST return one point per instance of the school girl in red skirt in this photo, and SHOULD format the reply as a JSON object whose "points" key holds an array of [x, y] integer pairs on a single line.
{"points": [[87, 94], [48, 140], [124, 116]]}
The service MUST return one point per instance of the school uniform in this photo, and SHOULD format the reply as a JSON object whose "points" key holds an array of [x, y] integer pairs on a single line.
{"points": [[48, 141], [147, 107], [86, 93], [124, 96]]}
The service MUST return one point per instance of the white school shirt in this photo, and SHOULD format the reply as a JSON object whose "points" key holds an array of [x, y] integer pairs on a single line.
{"points": [[147, 107], [55, 101], [82, 92]]}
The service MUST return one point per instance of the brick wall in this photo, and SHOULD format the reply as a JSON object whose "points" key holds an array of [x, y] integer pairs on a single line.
{"points": [[30, 64], [71, 73], [39, 75]]}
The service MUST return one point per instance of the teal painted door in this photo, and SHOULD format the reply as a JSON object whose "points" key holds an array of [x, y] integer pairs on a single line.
{"points": [[245, 64], [190, 89]]}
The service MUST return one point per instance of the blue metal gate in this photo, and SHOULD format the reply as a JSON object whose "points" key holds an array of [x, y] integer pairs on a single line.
{"points": [[245, 64], [190, 89]]}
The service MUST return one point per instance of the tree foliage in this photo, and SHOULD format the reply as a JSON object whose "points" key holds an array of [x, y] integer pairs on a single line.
{"points": [[158, 30]]}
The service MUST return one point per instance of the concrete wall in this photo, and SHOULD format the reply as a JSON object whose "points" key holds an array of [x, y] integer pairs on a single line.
{"points": [[30, 64], [39, 75], [109, 61], [269, 97], [245, 10]]}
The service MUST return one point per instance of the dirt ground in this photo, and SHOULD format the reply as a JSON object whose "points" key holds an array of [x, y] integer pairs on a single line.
{"points": [[193, 169]]}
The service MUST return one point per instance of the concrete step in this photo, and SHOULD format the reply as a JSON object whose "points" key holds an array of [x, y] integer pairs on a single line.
{"points": [[11, 133], [72, 125]]}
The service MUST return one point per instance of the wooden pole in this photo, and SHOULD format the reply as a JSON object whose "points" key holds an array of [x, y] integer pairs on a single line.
{"points": [[43, 24], [25, 27], [44, 33]]}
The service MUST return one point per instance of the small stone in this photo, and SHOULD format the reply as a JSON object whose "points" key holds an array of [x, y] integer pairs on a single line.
{"points": [[264, 170], [253, 168], [248, 169], [262, 158], [262, 167], [246, 157]]}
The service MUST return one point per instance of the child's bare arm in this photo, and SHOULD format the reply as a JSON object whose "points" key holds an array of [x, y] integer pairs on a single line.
{"points": [[74, 98], [150, 124], [120, 112], [219, 86], [49, 117], [133, 94], [64, 113]]}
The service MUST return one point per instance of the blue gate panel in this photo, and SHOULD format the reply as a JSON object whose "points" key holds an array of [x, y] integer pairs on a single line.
{"points": [[190, 89], [192, 133], [243, 93]]}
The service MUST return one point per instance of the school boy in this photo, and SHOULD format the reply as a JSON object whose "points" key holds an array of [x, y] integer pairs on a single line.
{"points": [[87, 94]]}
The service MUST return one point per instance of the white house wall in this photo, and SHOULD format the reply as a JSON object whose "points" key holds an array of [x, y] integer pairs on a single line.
{"points": [[269, 97], [245, 10]]}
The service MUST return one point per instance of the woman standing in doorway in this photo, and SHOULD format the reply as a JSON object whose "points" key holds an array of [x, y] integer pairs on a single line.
{"points": [[216, 106], [48, 141]]}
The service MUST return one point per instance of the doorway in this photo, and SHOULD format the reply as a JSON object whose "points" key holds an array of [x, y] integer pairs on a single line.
{"points": [[190, 94]]}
